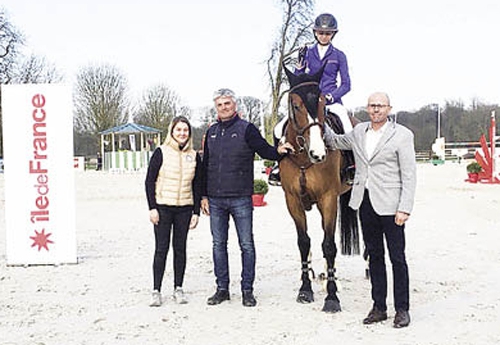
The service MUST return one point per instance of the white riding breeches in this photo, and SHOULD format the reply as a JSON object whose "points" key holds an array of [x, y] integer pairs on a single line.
{"points": [[341, 112]]}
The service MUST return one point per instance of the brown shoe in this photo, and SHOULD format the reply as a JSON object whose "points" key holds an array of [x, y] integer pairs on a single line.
{"points": [[375, 315], [402, 319]]}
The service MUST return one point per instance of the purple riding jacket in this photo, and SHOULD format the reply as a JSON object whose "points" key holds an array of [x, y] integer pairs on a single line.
{"points": [[336, 64]]}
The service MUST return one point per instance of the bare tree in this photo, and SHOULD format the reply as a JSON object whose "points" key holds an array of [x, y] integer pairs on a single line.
{"points": [[11, 41], [294, 32], [100, 99], [252, 109], [35, 70], [208, 116], [159, 105]]}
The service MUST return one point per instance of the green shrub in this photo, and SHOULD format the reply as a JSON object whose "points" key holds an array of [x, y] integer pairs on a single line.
{"points": [[268, 163], [260, 186], [474, 167]]}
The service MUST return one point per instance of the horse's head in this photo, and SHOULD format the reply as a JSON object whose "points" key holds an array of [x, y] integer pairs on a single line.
{"points": [[306, 114]]}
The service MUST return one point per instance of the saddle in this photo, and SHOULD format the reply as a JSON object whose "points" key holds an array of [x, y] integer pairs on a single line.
{"points": [[334, 122]]}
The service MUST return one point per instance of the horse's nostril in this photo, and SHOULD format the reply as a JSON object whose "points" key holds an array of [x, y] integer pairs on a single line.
{"points": [[316, 157]]}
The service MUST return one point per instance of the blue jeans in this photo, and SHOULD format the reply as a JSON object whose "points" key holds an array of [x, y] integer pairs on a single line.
{"points": [[241, 209]]}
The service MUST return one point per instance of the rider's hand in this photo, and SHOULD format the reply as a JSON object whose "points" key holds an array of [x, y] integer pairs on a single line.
{"points": [[329, 98], [301, 56]]}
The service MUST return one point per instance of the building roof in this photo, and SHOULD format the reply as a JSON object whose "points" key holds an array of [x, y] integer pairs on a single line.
{"points": [[130, 128]]}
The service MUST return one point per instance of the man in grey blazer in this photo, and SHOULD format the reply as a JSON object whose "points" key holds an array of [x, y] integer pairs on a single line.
{"points": [[383, 191]]}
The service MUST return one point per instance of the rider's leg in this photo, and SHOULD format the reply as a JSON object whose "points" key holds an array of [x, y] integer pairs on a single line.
{"points": [[348, 171], [277, 137], [341, 112], [278, 131]]}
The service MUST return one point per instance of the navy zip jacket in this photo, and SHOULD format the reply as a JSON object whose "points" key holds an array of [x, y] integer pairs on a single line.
{"points": [[228, 156]]}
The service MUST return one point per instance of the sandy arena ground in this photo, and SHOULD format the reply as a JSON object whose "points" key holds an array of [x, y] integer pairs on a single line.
{"points": [[452, 248]]}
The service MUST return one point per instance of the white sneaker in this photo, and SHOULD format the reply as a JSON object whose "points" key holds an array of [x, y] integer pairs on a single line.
{"points": [[179, 296], [155, 299]]}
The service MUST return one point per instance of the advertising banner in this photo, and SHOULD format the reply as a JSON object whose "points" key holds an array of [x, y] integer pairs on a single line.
{"points": [[39, 174]]}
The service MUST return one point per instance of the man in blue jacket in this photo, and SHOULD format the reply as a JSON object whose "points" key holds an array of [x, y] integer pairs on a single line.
{"points": [[228, 155]]}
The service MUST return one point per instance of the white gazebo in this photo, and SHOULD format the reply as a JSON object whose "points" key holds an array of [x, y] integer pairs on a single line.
{"points": [[128, 147]]}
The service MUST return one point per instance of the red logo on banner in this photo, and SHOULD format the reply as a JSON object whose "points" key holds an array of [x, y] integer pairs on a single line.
{"points": [[41, 240]]}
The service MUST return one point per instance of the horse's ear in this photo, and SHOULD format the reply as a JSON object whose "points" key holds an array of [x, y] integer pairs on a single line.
{"points": [[292, 78]]}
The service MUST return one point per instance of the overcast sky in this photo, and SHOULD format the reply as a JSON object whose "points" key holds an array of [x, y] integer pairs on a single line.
{"points": [[420, 52]]}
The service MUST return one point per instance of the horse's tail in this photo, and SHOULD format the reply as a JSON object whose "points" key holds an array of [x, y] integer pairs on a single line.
{"points": [[349, 226]]}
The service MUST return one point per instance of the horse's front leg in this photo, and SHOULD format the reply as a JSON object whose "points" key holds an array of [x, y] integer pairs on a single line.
{"points": [[332, 302], [329, 215], [306, 294], [304, 242]]}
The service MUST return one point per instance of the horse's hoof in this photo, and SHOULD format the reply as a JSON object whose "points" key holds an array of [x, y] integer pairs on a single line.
{"points": [[305, 297], [331, 306]]}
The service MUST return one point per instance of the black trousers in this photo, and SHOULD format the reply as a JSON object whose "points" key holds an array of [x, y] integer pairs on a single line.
{"points": [[375, 227], [176, 219]]}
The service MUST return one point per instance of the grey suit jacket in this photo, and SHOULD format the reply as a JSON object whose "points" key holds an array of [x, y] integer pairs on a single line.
{"points": [[391, 171]]}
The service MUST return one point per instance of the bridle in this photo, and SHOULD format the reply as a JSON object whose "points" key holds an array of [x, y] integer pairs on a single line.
{"points": [[302, 164], [299, 138]]}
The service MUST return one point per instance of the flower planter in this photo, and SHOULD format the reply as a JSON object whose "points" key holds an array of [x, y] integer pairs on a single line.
{"points": [[473, 177], [258, 200]]}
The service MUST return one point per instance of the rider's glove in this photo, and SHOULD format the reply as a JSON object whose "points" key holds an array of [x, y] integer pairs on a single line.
{"points": [[302, 55], [329, 98]]}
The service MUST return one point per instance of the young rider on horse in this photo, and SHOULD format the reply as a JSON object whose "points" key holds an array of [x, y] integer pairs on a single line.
{"points": [[310, 60]]}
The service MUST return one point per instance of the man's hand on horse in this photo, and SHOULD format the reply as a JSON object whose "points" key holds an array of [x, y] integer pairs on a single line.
{"points": [[284, 148]]}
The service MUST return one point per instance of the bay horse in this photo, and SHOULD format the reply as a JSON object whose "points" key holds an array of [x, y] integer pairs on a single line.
{"points": [[311, 176]]}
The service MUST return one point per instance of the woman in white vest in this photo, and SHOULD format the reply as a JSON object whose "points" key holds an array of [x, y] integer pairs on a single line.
{"points": [[173, 190]]}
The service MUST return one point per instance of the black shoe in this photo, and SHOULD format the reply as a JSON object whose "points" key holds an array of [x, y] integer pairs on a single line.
{"points": [[402, 319], [219, 297], [375, 315], [248, 299]]}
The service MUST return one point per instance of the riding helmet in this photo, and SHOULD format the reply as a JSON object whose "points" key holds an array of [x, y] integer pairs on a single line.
{"points": [[325, 22]]}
